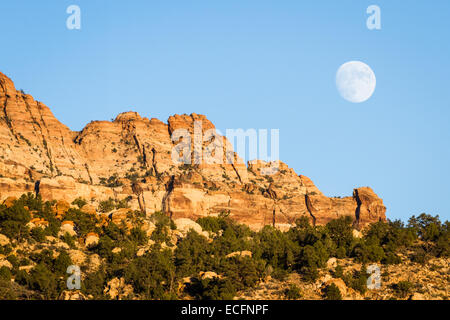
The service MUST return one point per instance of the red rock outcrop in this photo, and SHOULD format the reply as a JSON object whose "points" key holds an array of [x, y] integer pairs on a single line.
{"points": [[39, 154]]}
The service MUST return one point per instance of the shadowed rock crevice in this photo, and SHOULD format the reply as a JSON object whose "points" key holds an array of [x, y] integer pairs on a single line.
{"points": [[237, 173], [36, 187], [154, 163], [311, 209]]}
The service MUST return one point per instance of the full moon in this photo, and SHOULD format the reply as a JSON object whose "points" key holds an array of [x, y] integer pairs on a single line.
{"points": [[355, 81]]}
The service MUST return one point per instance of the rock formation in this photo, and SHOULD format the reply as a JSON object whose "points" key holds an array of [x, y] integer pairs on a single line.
{"points": [[131, 157]]}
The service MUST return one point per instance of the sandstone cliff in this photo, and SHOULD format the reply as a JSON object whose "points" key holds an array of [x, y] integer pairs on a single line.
{"points": [[132, 157]]}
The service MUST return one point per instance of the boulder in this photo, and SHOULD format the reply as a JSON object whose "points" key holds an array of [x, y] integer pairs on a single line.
{"points": [[5, 263], [417, 296], [184, 225], [148, 227], [118, 289], [95, 262], [357, 234], [208, 275], [68, 227], [240, 254], [38, 223], [87, 208], [91, 239], [332, 263], [4, 240], [62, 207], [119, 216], [141, 252], [72, 295], [78, 257]]}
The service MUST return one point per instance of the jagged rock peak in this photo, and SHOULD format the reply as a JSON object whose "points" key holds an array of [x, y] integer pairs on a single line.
{"points": [[128, 116]]}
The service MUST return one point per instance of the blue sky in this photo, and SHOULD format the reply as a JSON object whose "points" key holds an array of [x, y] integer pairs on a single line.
{"points": [[258, 64]]}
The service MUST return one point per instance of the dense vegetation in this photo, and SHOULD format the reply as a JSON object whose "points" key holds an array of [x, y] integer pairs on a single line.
{"points": [[158, 273]]}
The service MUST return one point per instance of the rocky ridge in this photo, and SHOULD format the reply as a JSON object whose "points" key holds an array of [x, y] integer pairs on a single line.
{"points": [[131, 158]]}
